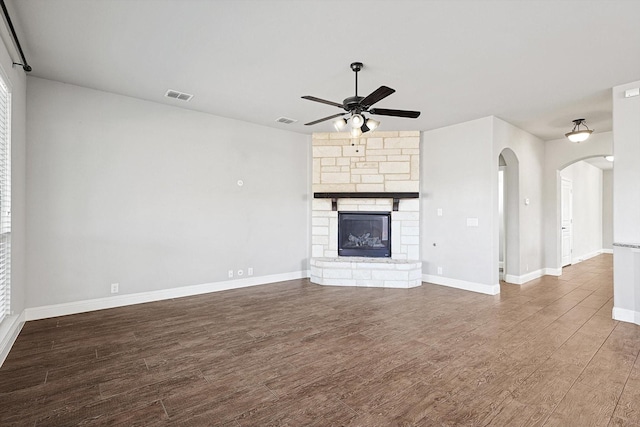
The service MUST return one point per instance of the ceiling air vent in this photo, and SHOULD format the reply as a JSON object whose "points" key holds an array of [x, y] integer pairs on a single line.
{"points": [[178, 95], [285, 120]]}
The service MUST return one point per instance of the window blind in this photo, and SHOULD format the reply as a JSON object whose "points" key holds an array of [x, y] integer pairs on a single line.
{"points": [[5, 199]]}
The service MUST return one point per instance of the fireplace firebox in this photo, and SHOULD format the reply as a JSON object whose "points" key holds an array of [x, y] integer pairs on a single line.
{"points": [[365, 234]]}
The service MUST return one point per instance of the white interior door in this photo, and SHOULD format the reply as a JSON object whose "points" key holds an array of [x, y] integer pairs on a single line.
{"points": [[566, 201]]}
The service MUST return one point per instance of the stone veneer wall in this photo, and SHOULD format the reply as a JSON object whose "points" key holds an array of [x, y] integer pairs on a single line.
{"points": [[383, 161], [379, 162]]}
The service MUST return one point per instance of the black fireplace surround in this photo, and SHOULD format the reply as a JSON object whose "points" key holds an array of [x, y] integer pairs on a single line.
{"points": [[364, 234]]}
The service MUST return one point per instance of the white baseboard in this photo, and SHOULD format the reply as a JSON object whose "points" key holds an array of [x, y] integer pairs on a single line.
{"points": [[9, 330], [552, 271], [519, 280], [75, 307], [624, 315], [585, 257], [558, 271], [576, 260], [462, 284]]}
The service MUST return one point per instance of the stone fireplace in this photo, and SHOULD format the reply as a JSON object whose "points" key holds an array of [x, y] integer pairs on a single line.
{"points": [[377, 174]]}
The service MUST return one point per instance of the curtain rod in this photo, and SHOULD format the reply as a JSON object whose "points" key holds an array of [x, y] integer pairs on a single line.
{"points": [[25, 66]]}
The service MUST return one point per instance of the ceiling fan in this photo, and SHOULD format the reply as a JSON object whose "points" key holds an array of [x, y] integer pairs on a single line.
{"points": [[356, 105]]}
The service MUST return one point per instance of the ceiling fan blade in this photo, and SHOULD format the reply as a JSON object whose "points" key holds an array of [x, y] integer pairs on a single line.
{"points": [[396, 113], [324, 119], [377, 95], [324, 101]]}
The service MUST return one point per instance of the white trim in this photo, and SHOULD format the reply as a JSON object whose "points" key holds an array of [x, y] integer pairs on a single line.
{"points": [[581, 258], [519, 280], [552, 271], [558, 271], [9, 330], [75, 307], [624, 315], [462, 284]]}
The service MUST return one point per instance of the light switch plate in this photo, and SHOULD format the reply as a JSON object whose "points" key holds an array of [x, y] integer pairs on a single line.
{"points": [[632, 92]]}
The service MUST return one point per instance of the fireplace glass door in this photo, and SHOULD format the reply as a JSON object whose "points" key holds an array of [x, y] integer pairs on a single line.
{"points": [[365, 234]]}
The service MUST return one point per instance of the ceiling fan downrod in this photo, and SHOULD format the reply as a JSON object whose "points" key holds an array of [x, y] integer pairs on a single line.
{"points": [[356, 66]]}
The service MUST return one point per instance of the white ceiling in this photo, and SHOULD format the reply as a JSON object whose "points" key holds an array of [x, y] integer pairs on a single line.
{"points": [[536, 64], [600, 162]]}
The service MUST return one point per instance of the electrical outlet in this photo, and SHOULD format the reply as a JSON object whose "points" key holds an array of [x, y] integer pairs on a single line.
{"points": [[240, 273], [115, 288], [250, 271], [440, 270], [230, 274]]}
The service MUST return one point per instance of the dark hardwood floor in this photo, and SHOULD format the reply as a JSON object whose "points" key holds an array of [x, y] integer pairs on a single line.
{"points": [[298, 354]]}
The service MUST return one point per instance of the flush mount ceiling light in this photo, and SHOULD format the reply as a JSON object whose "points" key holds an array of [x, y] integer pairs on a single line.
{"points": [[356, 105], [577, 134]]}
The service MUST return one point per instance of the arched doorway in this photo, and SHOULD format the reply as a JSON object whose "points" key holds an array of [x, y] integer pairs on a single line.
{"points": [[509, 214], [558, 155], [586, 205]]}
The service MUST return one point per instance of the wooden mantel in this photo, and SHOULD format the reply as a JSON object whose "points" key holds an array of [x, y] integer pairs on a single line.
{"points": [[362, 195]]}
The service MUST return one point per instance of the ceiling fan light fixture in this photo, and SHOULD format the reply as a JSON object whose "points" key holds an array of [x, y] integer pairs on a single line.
{"points": [[372, 124], [356, 132], [339, 124], [357, 121], [577, 134]]}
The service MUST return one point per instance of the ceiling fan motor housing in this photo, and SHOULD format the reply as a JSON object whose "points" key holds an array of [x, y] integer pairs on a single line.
{"points": [[352, 104]]}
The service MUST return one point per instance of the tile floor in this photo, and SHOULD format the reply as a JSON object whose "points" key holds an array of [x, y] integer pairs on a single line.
{"points": [[298, 354]]}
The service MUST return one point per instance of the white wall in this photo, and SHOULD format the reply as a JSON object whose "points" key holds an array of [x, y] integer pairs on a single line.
{"points": [[587, 209], [626, 204], [145, 195], [558, 154], [460, 176], [530, 153], [626, 173], [607, 209]]}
